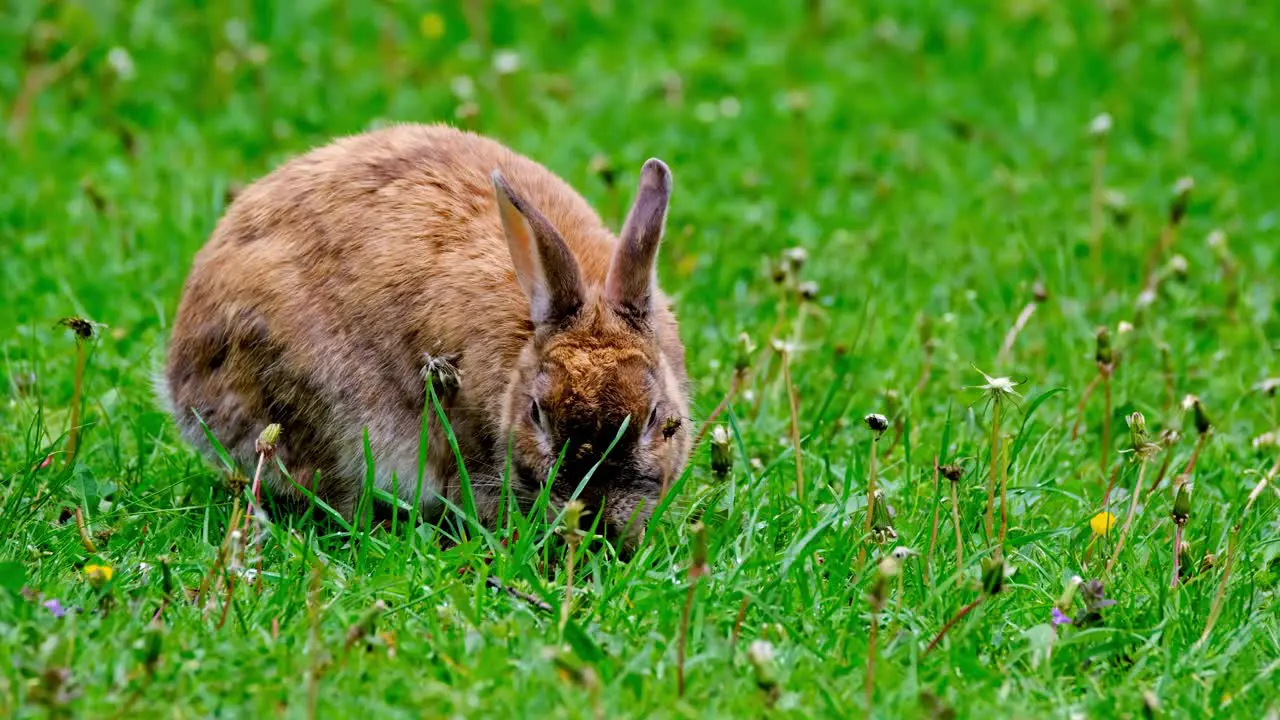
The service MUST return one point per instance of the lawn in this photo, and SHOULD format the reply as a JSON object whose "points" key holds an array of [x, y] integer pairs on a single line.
{"points": [[978, 189]]}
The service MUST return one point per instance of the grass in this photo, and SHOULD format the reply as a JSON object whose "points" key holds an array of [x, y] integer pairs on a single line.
{"points": [[936, 162]]}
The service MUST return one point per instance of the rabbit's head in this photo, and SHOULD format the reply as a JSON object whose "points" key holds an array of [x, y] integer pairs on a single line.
{"points": [[601, 356]]}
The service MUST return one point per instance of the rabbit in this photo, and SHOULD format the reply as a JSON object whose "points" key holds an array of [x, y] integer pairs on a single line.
{"points": [[333, 282]]}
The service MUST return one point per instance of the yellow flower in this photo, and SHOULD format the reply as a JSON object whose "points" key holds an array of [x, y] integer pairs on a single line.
{"points": [[98, 575], [1102, 523], [432, 26]]}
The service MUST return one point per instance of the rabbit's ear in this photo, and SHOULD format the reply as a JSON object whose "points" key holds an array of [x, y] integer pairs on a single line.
{"points": [[545, 267], [631, 276]]}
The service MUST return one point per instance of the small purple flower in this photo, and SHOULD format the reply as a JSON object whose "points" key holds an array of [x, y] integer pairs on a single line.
{"points": [[55, 608], [1059, 618]]}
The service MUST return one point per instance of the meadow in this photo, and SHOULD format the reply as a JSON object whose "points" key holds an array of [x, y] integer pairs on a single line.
{"points": [[1040, 239]]}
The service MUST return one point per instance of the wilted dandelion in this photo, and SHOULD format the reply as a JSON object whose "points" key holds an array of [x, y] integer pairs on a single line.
{"points": [[1143, 449], [998, 391], [85, 332], [569, 530], [953, 473]]}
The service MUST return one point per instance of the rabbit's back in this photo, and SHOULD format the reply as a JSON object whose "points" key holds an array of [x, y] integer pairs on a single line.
{"points": [[328, 284]]}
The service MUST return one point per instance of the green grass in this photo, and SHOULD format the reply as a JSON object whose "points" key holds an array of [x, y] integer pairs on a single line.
{"points": [[933, 158]]}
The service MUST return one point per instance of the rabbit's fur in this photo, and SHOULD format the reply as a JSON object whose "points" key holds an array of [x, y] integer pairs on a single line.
{"points": [[331, 283]]}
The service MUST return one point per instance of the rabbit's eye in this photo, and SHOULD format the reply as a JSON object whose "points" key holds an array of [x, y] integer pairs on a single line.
{"points": [[535, 413], [653, 417]]}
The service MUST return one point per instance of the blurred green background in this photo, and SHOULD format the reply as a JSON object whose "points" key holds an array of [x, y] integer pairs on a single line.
{"points": [[934, 159]]}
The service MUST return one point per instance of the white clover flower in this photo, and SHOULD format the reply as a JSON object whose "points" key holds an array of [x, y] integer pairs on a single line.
{"points": [[463, 87], [1100, 125], [506, 62], [121, 63], [761, 652]]}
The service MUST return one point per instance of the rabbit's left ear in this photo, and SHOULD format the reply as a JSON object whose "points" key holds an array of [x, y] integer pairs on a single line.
{"points": [[544, 265], [629, 286]]}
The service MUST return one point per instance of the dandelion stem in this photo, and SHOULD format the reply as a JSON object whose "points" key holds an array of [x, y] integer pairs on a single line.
{"points": [[1084, 401], [897, 609], [737, 623], [73, 433], [1128, 519], [795, 423], [989, 517], [1106, 422], [568, 588], [1004, 486], [1177, 554], [1012, 336], [1262, 485], [955, 520], [313, 636], [684, 633], [735, 386], [950, 623], [871, 658], [83, 529], [933, 534], [1220, 595], [871, 497]]}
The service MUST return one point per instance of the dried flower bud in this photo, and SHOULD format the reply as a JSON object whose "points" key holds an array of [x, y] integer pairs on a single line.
{"points": [[886, 570], [808, 291], [1103, 354], [367, 624], [882, 521], [1117, 204], [745, 349], [721, 452], [1181, 197], [952, 471], [1100, 126], [698, 562], [572, 522], [1217, 241], [992, 575], [1270, 386], [1178, 267], [166, 576], [892, 402], [1143, 448], [877, 422], [603, 168], [1182, 506], [1038, 292], [1069, 594], [1203, 425], [1124, 327], [794, 259], [267, 440]]}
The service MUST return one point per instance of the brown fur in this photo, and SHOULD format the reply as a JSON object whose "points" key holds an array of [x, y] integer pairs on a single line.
{"points": [[330, 282]]}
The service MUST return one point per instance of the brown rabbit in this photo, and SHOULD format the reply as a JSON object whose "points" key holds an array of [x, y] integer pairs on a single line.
{"points": [[333, 282]]}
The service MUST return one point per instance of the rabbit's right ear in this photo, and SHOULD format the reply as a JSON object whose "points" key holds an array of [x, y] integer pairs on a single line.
{"points": [[545, 267]]}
